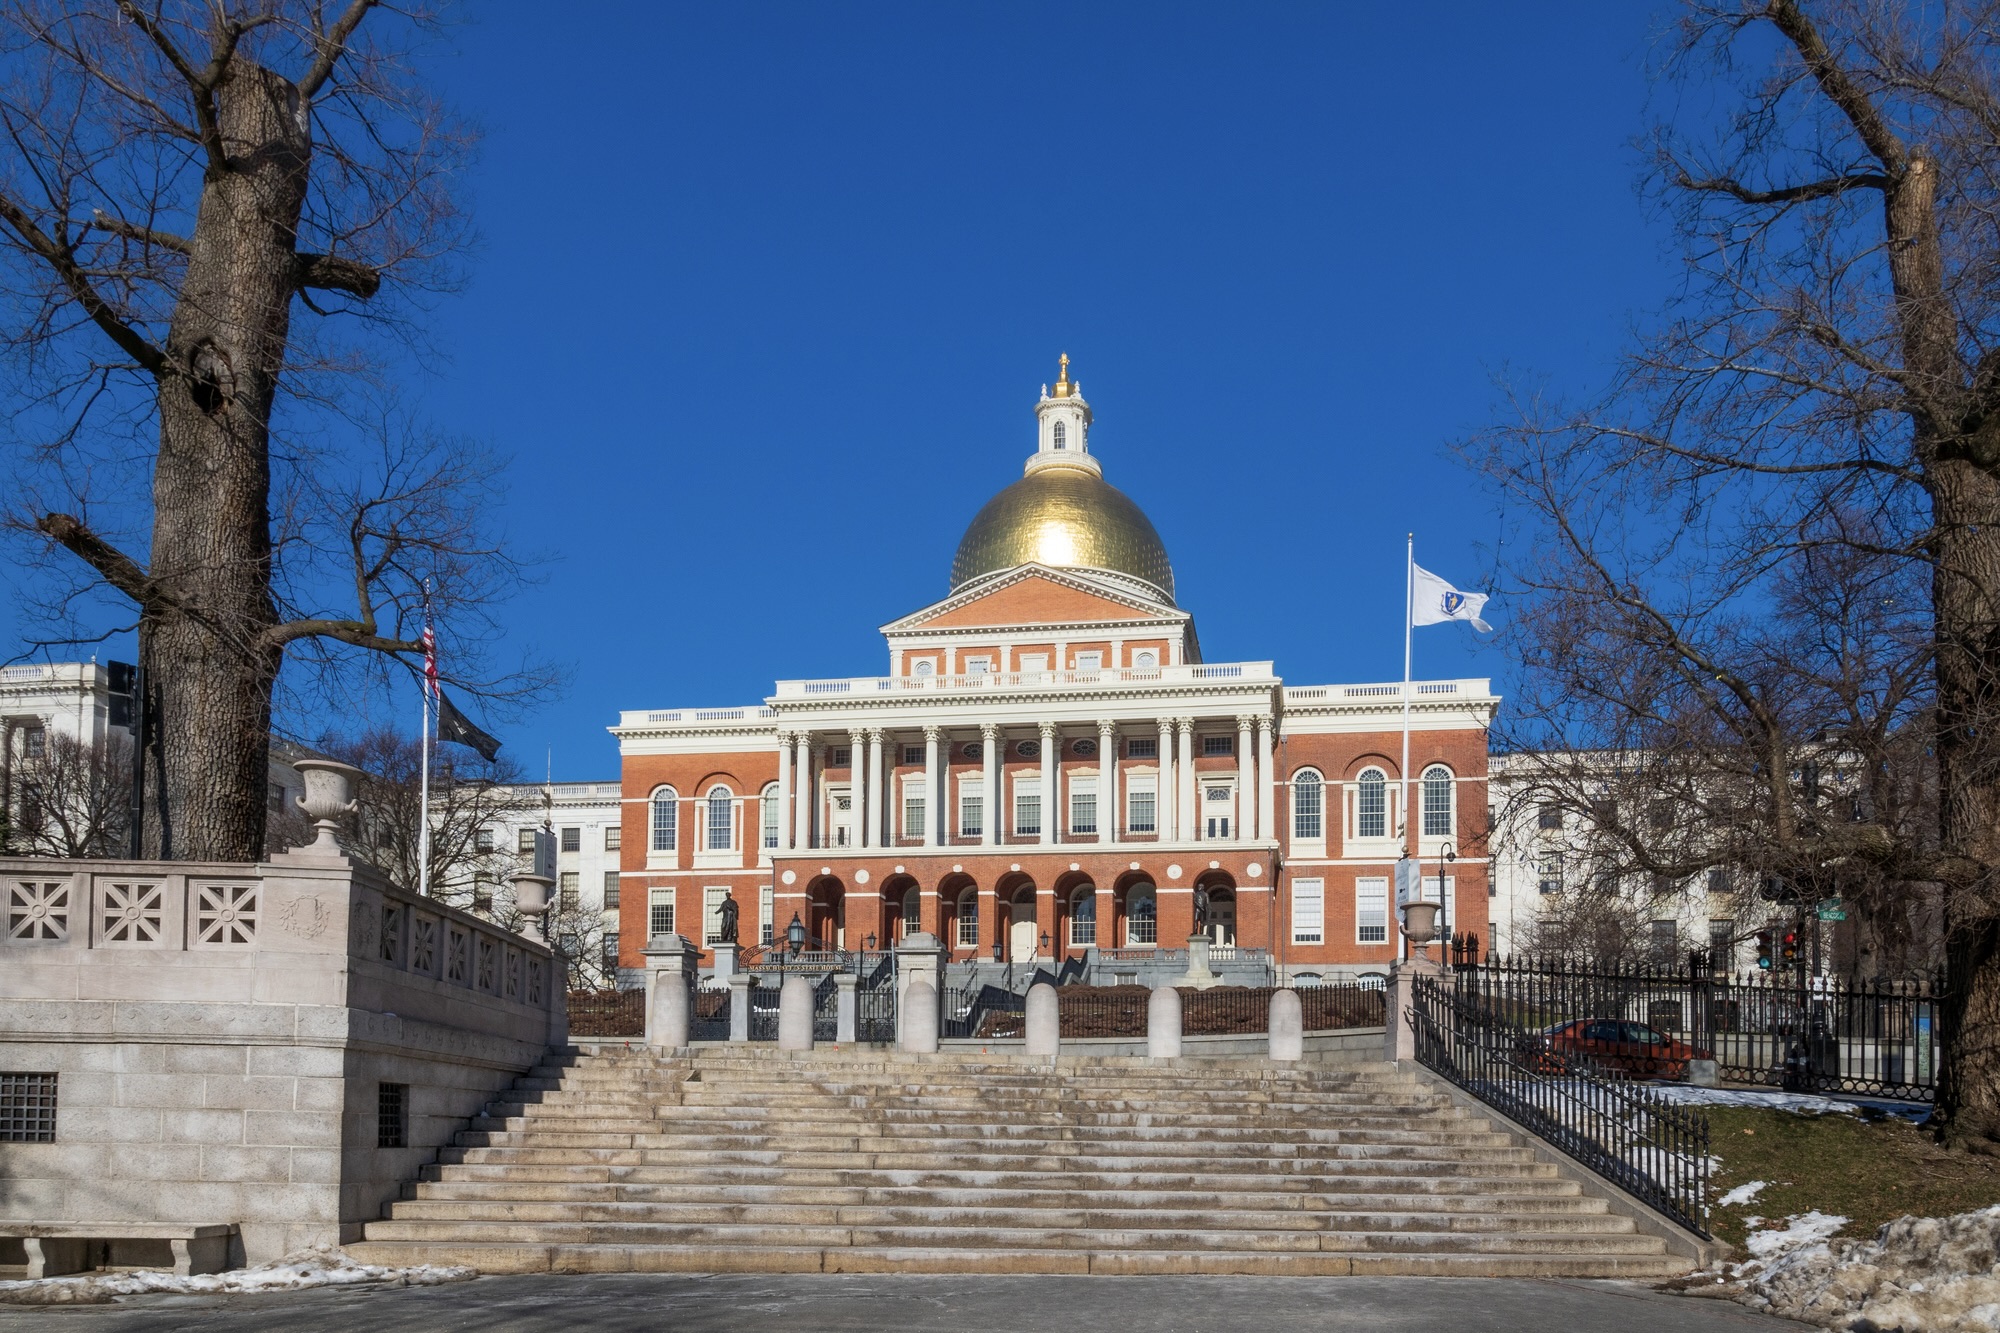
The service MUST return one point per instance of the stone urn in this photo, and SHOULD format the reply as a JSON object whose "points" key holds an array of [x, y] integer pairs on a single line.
{"points": [[329, 796], [531, 899], [1420, 923]]}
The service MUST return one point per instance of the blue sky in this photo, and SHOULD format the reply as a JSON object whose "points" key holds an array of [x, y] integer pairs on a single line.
{"points": [[767, 293]]}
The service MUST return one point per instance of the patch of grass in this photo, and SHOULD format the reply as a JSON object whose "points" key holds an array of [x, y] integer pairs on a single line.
{"points": [[1870, 1171]]}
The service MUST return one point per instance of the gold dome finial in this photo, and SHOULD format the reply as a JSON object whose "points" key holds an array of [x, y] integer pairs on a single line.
{"points": [[1062, 377]]}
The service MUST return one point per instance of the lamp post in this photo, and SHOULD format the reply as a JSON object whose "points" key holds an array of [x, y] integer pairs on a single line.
{"points": [[795, 936], [1446, 855], [1045, 943]]}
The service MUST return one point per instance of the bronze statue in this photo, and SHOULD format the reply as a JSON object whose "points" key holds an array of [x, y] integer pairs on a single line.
{"points": [[725, 932], [1200, 910]]}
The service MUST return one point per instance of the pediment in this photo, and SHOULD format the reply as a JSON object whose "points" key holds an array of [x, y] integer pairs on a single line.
{"points": [[1037, 595]]}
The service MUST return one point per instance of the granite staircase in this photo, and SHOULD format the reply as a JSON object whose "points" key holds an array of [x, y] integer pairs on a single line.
{"points": [[746, 1160]]}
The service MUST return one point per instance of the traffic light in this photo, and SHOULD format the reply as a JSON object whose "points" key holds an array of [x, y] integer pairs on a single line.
{"points": [[120, 685], [1764, 949], [1791, 947]]}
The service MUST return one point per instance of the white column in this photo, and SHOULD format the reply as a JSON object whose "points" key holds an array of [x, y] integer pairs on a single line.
{"points": [[1166, 800], [935, 799], [1246, 782], [857, 785], [1191, 815], [785, 750], [1052, 805], [1267, 784], [809, 794], [881, 828], [1108, 806], [989, 752]]}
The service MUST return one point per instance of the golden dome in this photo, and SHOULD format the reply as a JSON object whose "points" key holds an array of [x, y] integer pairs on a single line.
{"points": [[1067, 517]]}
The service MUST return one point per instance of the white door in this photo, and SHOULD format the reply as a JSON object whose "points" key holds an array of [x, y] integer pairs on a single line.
{"points": [[843, 818], [1021, 939], [1222, 921], [1217, 801]]}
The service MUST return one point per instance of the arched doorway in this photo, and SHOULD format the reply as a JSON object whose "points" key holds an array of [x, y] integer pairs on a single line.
{"points": [[1016, 898], [1138, 925], [826, 913], [1221, 909], [1076, 914], [958, 913], [902, 910]]}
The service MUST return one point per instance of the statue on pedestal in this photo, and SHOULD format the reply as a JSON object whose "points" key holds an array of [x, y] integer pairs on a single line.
{"points": [[726, 930]]}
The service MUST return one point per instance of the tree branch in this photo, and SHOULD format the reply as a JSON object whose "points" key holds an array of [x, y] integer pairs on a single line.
{"points": [[332, 45], [1788, 194], [333, 274], [63, 261], [116, 568], [1838, 85], [354, 632], [132, 231]]}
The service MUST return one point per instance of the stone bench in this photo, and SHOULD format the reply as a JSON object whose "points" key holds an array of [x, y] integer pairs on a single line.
{"points": [[57, 1248]]}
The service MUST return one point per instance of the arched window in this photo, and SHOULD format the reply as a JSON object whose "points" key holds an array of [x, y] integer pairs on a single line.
{"points": [[1371, 804], [1437, 790], [771, 814], [913, 903], [1083, 917], [1308, 822], [1142, 917], [1061, 435], [721, 823], [666, 802], [968, 919]]}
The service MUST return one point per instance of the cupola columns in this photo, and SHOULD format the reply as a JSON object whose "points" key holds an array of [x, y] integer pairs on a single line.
{"points": [[1064, 439]]}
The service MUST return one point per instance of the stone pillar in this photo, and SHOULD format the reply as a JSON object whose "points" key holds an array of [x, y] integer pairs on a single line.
{"points": [[937, 802], [857, 786], [1165, 800], [1199, 974], [881, 832], [785, 748], [1163, 1024], [1288, 1026], [725, 960], [795, 1014], [1052, 797], [1246, 782], [740, 987], [989, 760], [919, 964], [1184, 779], [670, 971], [846, 1010], [1044, 1027], [807, 798], [1399, 1037], [1267, 784], [1109, 807]]}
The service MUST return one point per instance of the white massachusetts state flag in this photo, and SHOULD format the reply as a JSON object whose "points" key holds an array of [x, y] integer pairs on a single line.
{"points": [[1435, 601]]}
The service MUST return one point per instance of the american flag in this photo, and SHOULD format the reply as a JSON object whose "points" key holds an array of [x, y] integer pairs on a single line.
{"points": [[430, 661]]}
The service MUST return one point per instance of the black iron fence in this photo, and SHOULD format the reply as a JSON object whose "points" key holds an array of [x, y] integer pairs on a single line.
{"points": [[607, 1013], [995, 1013], [1618, 1128], [1781, 1028], [709, 1020]]}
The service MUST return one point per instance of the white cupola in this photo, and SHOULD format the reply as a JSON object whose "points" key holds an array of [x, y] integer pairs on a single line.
{"points": [[1065, 426]]}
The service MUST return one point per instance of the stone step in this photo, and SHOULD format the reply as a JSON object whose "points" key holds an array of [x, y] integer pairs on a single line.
{"points": [[582, 1133], [1006, 1139], [1278, 1159]]}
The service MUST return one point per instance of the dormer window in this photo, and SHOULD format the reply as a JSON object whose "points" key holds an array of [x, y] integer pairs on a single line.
{"points": [[1061, 434]]}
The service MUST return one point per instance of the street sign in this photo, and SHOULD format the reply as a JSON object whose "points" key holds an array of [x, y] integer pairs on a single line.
{"points": [[1833, 911]]}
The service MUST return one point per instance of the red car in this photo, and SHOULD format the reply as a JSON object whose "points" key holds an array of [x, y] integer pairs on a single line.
{"points": [[1622, 1046]]}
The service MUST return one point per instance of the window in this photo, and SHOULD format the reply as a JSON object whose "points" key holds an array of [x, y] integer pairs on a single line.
{"points": [[1029, 749], [766, 915], [913, 754], [913, 910], [1087, 748], [1666, 939], [712, 897], [1083, 805], [971, 809], [840, 756], [1214, 745], [1718, 881], [1061, 435], [614, 837], [482, 892], [1549, 874], [1027, 805], [610, 890], [1660, 815], [666, 803], [1142, 747], [924, 666], [1034, 661], [1308, 806], [1141, 801], [1371, 804], [968, 919], [1662, 886], [1090, 661], [566, 888], [1549, 816], [978, 666], [660, 912], [1371, 910], [770, 815], [974, 750], [611, 948], [392, 1115], [1142, 917], [1085, 917], [483, 840], [572, 839], [525, 841], [913, 812], [33, 741], [274, 799], [1436, 786], [1722, 944], [721, 825], [27, 1108], [1145, 657], [1308, 911]]}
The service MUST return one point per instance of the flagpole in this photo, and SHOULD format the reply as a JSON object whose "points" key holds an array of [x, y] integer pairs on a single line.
{"points": [[1409, 619], [424, 800]]}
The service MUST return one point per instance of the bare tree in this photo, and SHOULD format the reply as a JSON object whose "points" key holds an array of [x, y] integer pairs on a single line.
{"points": [[1828, 382], [179, 181], [71, 797]]}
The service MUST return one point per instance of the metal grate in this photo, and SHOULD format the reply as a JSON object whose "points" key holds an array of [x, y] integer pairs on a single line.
{"points": [[27, 1108], [392, 1119]]}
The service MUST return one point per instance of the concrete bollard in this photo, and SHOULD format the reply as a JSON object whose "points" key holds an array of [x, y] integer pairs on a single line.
{"points": [[740, 986], [1703, 1074], [795, 1015], [1288, 1026], [920, 1019], [667, 1024], [846, 1008], [1163, 1024], [1044, 1025]]}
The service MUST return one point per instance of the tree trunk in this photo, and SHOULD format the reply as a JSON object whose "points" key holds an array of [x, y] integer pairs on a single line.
{"points": [[1966, 592], [210, 665]]}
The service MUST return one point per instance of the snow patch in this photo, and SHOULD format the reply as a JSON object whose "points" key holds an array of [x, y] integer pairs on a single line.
{"points": [[319, 1266], [1798, 1232], [1742, 1194], [1685, 1095]]}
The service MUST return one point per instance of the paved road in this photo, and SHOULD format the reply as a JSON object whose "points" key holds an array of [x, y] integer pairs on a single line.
{"points": [[813, 1304]]}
